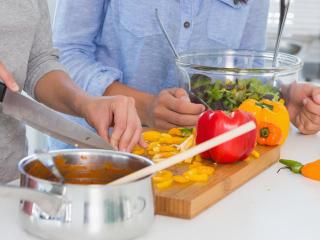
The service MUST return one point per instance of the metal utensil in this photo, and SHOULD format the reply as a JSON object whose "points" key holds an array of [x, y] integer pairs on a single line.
{"points": [[48, 121], [175, 52], [284, 8], [47, 160], [200, 100], [95, 212]]}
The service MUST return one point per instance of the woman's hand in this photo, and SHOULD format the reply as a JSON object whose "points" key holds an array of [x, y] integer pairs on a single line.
{"points": [[172, 108], [119, 112], [303, 103], [7, 78]]}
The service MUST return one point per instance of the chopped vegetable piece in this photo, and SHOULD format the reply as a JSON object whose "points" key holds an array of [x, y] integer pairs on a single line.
{"points": [[164, 155], [199, 178], [198, 158], [153, 145], [255, 154], [195, 165], [138, 150], [205, 170], [164, 184], [171, 140], [163, 175], [181, 179], [151, 136]]}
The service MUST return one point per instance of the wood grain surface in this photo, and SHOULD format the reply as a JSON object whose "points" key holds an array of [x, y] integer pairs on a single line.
{"points": [[188, 200]]}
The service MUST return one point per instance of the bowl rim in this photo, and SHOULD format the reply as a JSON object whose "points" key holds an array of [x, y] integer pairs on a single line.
{"points": [[280, 71], [23, 162]]}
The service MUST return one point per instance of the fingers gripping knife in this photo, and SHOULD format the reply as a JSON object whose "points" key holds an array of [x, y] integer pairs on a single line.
{"points": [[48, 121]]}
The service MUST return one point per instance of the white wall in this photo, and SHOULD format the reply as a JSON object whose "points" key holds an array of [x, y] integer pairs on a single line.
{"points": [[303, 18]]}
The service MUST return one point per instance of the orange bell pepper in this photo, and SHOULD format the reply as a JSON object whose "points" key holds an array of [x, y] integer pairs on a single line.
{"points": [[268, 134]]}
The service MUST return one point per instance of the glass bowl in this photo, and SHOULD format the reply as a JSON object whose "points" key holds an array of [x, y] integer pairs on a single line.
{"points": [[224, 79]]}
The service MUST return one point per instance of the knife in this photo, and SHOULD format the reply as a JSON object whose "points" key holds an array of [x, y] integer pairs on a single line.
{"points": [[48, 121]]}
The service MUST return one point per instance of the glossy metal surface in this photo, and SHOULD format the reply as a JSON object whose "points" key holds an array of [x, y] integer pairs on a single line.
{"points": [[285, 46], [50, 122], [47, 160], [91, 211], [284, 8]]}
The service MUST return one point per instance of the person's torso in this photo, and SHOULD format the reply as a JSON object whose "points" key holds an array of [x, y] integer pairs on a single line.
{"points": [[18, 22], [131, 39]]}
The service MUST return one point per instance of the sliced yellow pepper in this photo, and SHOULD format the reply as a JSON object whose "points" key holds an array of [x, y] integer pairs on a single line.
{"points": [[153, 145], [164, 155], [181, 179], [181, 132], [195, 165], [164, 184], [151, 136], [138, 150], [172, 140], [255, 154], [168, 149], [175, 131], [162, 176], [198, 158], [205, 170]]}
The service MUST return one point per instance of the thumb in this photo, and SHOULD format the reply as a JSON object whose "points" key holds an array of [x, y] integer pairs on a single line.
{"points": [[316, 95], [182, 94], [7, 78]]}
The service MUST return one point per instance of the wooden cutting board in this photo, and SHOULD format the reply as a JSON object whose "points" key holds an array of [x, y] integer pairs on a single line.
{"points": [[188, 200]]}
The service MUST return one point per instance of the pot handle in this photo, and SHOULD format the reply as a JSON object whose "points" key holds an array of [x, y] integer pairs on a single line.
{"points": [[49, 203]]}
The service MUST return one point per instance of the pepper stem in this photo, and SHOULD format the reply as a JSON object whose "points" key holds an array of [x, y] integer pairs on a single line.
{"points": [[264, 132], [264, 105]]}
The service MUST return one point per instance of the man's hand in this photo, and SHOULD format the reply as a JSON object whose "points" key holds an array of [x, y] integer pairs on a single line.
{"points": [[172, 108], [303, 102], [118, 111], [7, 78]]}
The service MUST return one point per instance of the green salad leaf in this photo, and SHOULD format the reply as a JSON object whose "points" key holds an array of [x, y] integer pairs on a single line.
{"points": [[228, 95]]}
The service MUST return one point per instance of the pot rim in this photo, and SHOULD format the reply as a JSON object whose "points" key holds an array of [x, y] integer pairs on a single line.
{"points": [[32, 157]]}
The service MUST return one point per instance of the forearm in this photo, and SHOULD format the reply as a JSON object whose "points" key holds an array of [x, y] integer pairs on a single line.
{"points": [[58, 91], [142, 99]]}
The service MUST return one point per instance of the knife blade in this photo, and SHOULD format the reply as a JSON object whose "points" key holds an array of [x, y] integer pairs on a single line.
{"points": [[48, 121]]}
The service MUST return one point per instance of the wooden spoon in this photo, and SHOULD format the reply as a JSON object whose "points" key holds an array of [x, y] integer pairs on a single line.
{"points": [[205, 146]]}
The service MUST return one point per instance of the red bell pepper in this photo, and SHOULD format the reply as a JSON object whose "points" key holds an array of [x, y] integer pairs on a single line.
{"points": [[214, 123], [202, 131]]}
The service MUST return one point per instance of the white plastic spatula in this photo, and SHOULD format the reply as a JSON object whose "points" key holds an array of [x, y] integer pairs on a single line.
{"points": [[205, 146]]}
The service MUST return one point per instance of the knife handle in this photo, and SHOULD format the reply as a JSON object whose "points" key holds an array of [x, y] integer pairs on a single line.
{"points": [[3, 89]]}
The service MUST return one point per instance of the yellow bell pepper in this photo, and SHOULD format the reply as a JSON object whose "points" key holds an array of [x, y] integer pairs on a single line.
{"points": [[266, 111]]}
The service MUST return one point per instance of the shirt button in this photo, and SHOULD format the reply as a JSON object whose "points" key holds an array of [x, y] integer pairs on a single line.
{"points": [[186, 24]]}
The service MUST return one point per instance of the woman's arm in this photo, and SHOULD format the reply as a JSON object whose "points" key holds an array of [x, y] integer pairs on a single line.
{"points": [[49, 84]]}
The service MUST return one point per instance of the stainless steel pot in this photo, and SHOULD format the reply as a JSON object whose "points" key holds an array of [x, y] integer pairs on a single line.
{"points": [[70, 211]]}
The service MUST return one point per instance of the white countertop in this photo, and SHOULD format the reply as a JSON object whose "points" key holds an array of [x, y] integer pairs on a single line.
{"points": [[270, 206]]}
